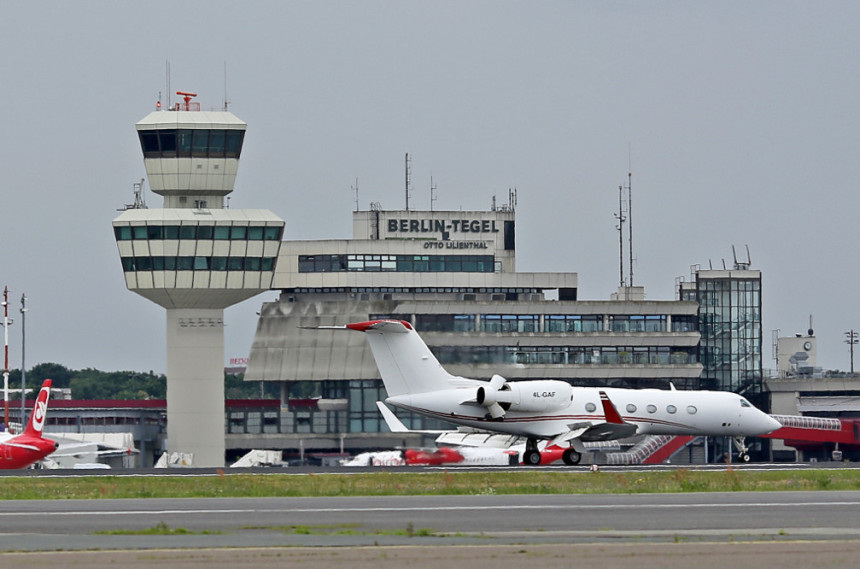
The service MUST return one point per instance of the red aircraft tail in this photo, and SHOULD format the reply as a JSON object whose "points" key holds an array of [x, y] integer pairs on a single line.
{"points": [[40, 409]]}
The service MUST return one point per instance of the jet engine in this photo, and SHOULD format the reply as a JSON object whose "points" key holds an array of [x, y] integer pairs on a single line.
{"points": [[500, 396]]}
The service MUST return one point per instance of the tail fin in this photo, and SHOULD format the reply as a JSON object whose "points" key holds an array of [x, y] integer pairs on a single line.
{"points": [[40, 410], [405, 362]]}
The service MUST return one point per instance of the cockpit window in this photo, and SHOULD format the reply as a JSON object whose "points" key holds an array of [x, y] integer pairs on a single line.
{"points": [[745, 403]]}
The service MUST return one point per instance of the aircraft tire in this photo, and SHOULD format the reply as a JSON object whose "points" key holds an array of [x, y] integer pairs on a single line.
{"points": [[744, 457], [531, 458], [571, 457]]}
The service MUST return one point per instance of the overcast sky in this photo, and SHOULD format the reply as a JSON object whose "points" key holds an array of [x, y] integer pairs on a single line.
{"points": [[739, 120]]}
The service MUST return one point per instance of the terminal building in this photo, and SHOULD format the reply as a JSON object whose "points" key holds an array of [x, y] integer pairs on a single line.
{"points": [[453, 275]]}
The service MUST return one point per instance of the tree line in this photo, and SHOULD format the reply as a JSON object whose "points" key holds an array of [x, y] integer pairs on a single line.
{"points": [[95, 384]]}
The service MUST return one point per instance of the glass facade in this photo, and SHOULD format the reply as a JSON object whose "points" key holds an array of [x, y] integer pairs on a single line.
{"points": [[565, 355], [547, 323], [730, 324]]}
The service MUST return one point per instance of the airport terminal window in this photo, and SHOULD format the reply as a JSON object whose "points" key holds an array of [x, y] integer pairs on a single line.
{"points": [[509, 323], [445, 322], [637, 323], [685, 323], [187, 143], [564, 355], [217, 232], [573, 323], [131, 264], [396, 263]]}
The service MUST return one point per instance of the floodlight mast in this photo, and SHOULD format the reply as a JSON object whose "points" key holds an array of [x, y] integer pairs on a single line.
{"points": [[6, 323], [23, 353]]}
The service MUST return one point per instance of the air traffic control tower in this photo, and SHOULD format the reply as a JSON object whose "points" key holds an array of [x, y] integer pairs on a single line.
{"points": [[195, 257]]}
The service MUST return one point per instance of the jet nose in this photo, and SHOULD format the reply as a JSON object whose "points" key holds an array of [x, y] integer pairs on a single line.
{"points": [[763, 424], [771, 424]]}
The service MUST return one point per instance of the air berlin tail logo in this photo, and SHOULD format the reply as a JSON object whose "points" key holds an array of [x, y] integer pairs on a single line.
{"points": [[40, 410]]}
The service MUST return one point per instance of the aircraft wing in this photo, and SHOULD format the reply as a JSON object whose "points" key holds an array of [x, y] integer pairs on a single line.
{"points": [[613, 428]]}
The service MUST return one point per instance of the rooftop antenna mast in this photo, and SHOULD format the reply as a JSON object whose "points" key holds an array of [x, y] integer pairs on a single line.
{"points": [[408, 164], [432, 193], [620, 227], [226, 100], [630, 211], [355, 190], [167, 83]]}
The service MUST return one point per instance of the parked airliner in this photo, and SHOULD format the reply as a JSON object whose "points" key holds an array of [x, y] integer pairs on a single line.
{"points": [[30, 446], [551, 410]]}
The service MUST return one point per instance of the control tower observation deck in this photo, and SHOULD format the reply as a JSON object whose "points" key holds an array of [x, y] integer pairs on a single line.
{"points": [[194, 257]]}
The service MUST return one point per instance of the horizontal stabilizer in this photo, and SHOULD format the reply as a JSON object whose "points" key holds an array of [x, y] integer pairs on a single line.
{"points": [[395, 425]]}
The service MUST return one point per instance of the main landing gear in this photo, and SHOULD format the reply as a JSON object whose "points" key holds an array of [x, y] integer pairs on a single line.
{"points": [[532, 456]]}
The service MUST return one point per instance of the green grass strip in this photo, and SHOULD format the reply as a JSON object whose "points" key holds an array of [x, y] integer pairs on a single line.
{"points": [[447, 482]]}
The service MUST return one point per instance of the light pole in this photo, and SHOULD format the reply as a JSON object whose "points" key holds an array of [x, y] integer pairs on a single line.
{"points": [[852, 339], [6, 323], [23, 353]]}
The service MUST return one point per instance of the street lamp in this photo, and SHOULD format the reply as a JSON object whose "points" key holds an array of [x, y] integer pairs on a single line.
{"points": [[852, 339]]}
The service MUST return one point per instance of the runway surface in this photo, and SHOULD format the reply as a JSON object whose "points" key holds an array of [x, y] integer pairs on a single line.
{"points": [[76, 524]]}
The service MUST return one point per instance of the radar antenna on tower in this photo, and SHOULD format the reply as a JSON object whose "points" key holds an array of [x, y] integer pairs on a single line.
{"points": [[188, 104]]}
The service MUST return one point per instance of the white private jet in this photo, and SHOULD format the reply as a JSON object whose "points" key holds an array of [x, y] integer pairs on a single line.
{"points": [[551, 410]]}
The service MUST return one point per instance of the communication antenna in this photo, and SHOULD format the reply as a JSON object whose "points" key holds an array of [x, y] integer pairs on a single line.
{"points": [[408, 179], [139, 201], [226, 100], [742, 265], [167, 83], [620, 227], [355, 190], [432, 192], [630, 213]]}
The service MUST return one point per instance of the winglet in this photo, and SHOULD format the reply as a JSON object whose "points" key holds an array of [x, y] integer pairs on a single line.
{"points": [[612, 415]]}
